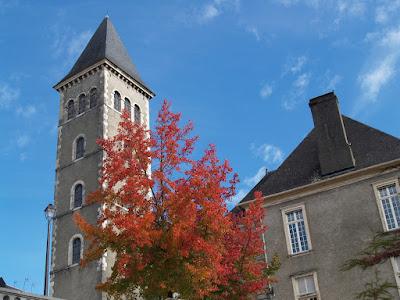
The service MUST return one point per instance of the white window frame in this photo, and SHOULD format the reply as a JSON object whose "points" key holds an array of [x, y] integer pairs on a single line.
{"points": [[74, 147], [297, 296], [78, 235], [378, 185], [287, 210], [72, 195]]}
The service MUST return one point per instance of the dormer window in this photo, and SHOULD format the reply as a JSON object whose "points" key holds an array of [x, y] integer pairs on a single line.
{"points": [[93, 97], [82, 103], [127, 106], [70, 109], [117, 101]]}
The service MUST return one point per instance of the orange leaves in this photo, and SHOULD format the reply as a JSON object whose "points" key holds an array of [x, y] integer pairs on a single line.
{"points": [[169, 227]]}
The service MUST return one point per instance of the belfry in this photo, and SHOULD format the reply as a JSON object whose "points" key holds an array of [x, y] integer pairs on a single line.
{"points": [[102, 83]]}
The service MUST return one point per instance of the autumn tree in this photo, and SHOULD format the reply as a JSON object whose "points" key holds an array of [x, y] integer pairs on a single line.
{"points": [[164, 218]]}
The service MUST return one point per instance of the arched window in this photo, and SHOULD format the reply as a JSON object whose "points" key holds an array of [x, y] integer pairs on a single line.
{"points": [[79, 147], [127, 106], [137, 114], [17, 298], [6, 297], [76, 250], [117, 101], [93, 97], [78, 195], [82, 103], [70, 109]]}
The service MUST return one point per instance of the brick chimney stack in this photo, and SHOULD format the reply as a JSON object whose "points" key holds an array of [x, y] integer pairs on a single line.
{"points": [[334, 150]]}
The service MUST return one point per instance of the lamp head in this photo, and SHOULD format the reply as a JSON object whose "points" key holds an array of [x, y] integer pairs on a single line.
{"points": [[50, 212]]}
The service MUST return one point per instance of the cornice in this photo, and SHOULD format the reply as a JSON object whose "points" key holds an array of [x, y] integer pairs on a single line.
{"points": [[104, 63], [328, 184]]}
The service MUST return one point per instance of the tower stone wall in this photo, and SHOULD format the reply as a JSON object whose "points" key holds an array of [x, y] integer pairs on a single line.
{"points": [[68, 280]]}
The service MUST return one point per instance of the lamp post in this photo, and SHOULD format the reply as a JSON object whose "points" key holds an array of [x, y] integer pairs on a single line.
{"points": [[49, 213]]}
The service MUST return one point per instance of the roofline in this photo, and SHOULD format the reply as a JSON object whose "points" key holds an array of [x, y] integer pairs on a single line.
{"points": [[20, 293], [326, 184], [102, 62]]}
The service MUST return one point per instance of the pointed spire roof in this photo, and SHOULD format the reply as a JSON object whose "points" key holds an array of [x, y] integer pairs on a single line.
{"points": [[105, 44]]}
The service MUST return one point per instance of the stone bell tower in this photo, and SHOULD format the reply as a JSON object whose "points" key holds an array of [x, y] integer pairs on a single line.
{"points": [[101, 84]]}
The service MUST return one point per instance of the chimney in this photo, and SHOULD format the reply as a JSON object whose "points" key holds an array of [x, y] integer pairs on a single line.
{"points": [[334, 150]]}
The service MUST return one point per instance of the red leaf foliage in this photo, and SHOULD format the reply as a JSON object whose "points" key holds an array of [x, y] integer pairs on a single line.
{"points": [[164, 217]]}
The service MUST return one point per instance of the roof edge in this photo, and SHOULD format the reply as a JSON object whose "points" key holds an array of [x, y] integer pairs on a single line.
{"points": [[344, 176], [65, 81]]}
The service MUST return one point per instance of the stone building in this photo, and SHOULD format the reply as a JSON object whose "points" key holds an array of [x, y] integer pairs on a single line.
{"points": [[102, 83], [10, 293], [324, 203]]}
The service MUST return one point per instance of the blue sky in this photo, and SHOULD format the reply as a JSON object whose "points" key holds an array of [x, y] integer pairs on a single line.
{"points": [[242, 71]]}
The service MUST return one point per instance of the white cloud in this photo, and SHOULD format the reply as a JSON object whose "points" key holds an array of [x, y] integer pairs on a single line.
{"points": [[299, 87], [269, 153], [380, 68], [302, 81], [241, 193], [23, 140], [351, 8], [67, 43], [210, 12], [266, 91], [78, 42], [310, 3], [373, 80], [23, 157], [295, 65], [7, 95], [385, 11], [215, 8], [254, 31], [252, 181], [333, 82], [26, 111]]}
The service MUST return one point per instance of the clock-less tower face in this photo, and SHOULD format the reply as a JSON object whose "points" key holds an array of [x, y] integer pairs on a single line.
{"points": [[102, 83]]}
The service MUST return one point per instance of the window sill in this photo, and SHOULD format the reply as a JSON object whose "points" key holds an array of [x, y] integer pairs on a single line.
{"points": [[76, 208], [73, 265], [300, 254], [78, 159]]}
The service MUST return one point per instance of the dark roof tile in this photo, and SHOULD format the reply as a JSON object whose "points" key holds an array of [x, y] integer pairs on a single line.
{"points": [[369, 145], [105, 44]]}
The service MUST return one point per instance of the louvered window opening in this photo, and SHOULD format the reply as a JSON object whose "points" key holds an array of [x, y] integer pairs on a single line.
{"points": [[78, 195], [93, 98], [76, 250], [80, 148]]}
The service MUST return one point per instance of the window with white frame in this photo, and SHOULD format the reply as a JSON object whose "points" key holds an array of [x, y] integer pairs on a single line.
{"points": [[77, 195], [306, 287], [75, 249], [389, 204], [296, 229]]}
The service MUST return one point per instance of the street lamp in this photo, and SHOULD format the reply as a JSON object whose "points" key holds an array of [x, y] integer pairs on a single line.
{"points": [[49, 212]]}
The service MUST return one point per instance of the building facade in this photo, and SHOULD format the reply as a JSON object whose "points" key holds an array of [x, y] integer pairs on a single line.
{"points": [[11, 293], [326, 201], [102, 83]]}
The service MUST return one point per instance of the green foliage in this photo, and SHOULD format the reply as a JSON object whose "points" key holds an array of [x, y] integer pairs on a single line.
{"points": [[376, 290], [383, 246]]}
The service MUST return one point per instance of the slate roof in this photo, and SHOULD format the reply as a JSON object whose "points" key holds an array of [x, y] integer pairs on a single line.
{"points": [[370, 147], [4, 285], [106, 44]]}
